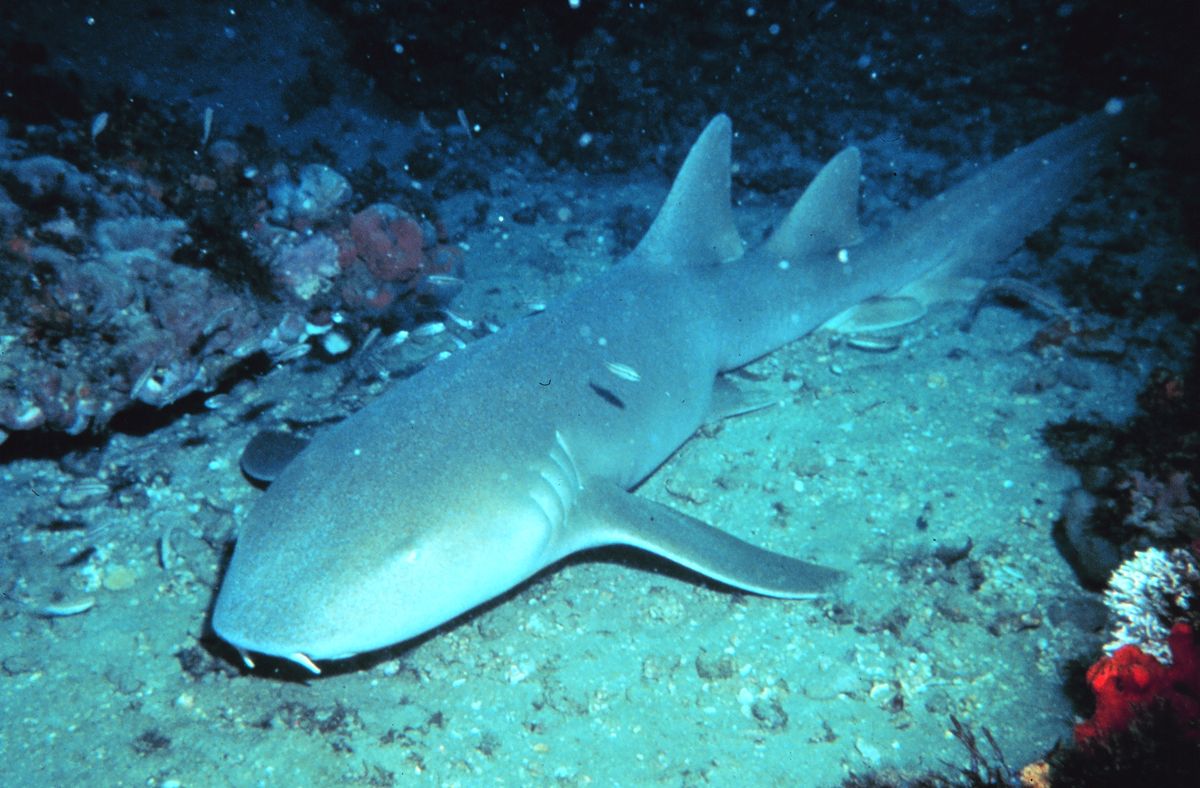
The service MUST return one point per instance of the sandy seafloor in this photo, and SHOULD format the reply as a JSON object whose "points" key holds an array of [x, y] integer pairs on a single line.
{"points": [[616, 669]]}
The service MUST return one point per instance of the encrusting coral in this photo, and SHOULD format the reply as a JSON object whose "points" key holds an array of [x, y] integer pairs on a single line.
{"points": [[1147, 595]]}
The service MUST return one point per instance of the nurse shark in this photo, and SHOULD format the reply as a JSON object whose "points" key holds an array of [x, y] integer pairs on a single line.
{"points": [[470, 476]]}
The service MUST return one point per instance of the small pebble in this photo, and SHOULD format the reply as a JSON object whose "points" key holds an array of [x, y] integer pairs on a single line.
{"points": [[119, 578], [335, 344]]}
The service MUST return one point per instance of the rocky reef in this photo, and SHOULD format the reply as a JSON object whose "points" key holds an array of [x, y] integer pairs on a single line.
{"points": [[145, 272]]}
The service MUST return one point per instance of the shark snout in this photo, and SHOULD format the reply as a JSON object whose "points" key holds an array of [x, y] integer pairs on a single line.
{"points": [[271, 614], [240, 623], [237, 627]]}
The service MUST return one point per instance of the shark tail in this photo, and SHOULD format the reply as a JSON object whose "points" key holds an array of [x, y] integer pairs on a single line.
{"points": [[815, 266], [987, 217]]}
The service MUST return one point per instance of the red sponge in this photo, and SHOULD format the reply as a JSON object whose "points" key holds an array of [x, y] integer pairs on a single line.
{"points": [[1130, 680]]}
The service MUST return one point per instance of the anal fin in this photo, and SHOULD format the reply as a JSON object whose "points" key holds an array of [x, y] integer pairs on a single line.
{"points": [[875, 315]]}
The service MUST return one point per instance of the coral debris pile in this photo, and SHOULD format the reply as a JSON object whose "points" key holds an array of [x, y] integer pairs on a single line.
{"points": [[96, 314], [144, 274]]}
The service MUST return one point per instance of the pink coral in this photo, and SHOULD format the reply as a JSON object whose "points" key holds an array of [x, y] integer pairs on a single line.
{"points": [[388, 241], [385, 255]]}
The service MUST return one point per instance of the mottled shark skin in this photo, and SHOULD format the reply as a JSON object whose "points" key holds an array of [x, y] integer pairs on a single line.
{"points": [[477, 472]]}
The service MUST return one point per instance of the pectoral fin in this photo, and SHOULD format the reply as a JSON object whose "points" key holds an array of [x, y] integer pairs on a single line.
{"points": [[612, 516], [268, 453]]}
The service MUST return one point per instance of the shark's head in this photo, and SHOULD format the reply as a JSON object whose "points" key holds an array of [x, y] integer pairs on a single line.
{"points": [[308, 600], [321, 571]]}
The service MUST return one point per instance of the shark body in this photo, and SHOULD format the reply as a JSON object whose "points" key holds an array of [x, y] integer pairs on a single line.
{"points": [[472, 475]]}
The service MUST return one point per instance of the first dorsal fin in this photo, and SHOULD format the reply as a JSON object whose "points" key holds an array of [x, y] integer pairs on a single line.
{"points": [[695, 225], [826, 215]]}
